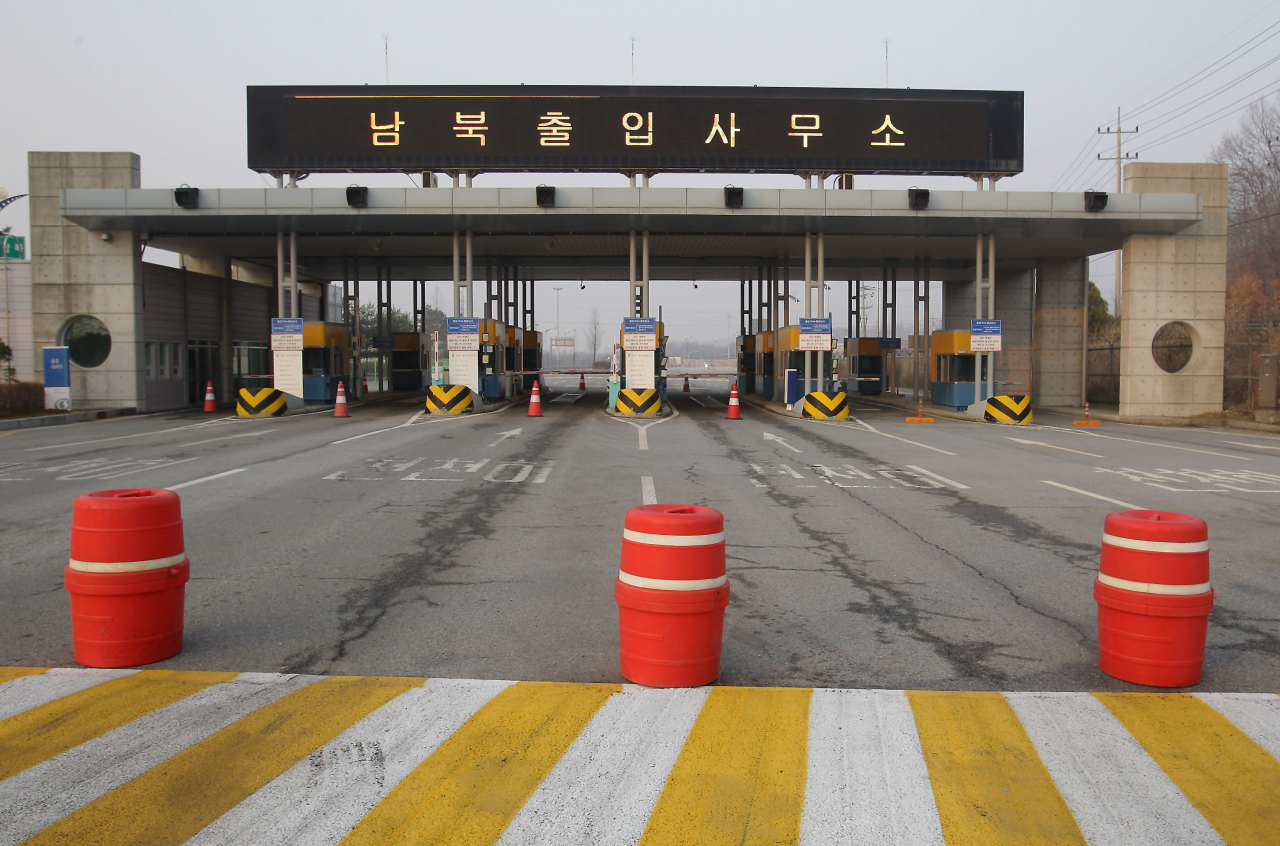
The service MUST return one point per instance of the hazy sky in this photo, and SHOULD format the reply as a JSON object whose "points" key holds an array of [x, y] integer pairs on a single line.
{"points": [[166, 80]]}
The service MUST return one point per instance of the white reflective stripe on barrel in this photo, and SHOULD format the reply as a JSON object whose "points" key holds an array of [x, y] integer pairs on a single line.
{"points": [[1147, 587], [671, 584], [672, 540], [1155, 546], [126, 566]]}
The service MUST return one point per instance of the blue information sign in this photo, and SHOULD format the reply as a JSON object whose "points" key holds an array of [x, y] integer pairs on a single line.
{"points": [[57, 368], [815, 326], [640, 325], [984, 327], [890, 343], [286, 326], [464, 326]]}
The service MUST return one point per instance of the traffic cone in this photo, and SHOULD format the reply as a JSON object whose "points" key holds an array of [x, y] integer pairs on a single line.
{"points": [[364, 385], [735, 410], [685, 389], [582, 381], [535, 402], [209, 404], [340, 404]]}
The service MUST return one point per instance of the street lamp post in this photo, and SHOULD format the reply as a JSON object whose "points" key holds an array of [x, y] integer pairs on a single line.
{"points": [[554, 344]]}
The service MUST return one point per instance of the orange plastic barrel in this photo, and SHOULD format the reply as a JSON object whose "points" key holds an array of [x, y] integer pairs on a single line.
{"points": [[127, 577], [1154, 598], [671, 592]]}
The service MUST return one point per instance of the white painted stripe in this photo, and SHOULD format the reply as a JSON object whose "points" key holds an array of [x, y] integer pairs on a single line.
{"points": [[322, 797], [206, 479], [1255, 714], [671, 584], [126, 566], [27, 692], [1155, 546], [1148, 587], [1117, 793], [1094, 495], [932, 475], [604, 789], [867, 781], [673, 540], [648, 496], [44, 794]]}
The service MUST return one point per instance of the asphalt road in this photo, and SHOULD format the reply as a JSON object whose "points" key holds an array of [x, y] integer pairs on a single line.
{"points": [[869, 554]]}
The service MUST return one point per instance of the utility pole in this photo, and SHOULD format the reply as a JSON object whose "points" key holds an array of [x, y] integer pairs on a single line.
{"points": [[1120, 157], [556, 341]]}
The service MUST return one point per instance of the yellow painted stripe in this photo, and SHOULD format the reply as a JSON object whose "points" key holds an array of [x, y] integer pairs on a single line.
{"points": [[740, 776], [469, 789], [988, 781], [11, 673], [35, 736], [172, 802], [1229, 778]]}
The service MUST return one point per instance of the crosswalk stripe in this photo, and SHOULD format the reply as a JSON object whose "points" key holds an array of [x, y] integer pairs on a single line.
{"points": [[201, 783], [867, 782], [1225, 774], [1118, 795], [469, 789], [322, 797], [27, 692], [625, 754], [1255, 714], [990, 785], [740, 776], [36, 735], [42, 795], [11, 673]]}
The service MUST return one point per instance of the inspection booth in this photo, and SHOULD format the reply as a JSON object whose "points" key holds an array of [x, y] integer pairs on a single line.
{"points": [[765, 374], [791, 357], [325, 361], [532, 358], [496, 339], [866, 366], [410, 361], [955, 382], [746, 363]]}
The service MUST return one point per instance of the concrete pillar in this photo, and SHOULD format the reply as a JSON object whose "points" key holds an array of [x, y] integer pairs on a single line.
{"points": [[76, 272], [1015, 295], [1170, 278], [1059, 332], [224, 349]]}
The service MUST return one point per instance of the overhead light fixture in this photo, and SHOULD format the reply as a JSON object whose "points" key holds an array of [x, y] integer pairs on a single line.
{"points": [[918, 199], [1095, 201], [187, 197], [546, 196], [732, 197], [357, 196]]}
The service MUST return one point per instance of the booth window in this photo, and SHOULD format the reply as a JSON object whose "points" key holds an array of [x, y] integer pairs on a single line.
{"points": [[87, 340], [252, 365], [163, 359]]}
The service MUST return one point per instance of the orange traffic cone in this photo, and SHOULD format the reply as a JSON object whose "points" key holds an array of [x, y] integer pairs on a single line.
{"points": [[685, 389], [582, 381], [364, 384], [209, 404], [535, 402], [340, 404], [735, 410]]}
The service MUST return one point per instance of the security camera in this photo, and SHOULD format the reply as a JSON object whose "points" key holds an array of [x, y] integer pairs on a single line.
{"points": [[106, 236]]}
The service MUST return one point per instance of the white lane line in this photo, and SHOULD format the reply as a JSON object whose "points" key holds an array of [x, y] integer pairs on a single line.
{"points": [[1255, 446], [1255, 714], [876, 431], [648, 496], [623, 758], [932, 475], [130, 472], [322, 797], [408, 422], [867, 781], [644, 435], [117, 437], [1094, 495], [1154, 444], [1117, 793], [229, 437], [42, 795], [206, 479], [27, 692], [1052, 446], [768, 436]]}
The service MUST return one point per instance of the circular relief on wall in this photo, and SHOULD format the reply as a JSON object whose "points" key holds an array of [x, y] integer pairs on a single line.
{"points": [[88, 341], [1172, 346]]}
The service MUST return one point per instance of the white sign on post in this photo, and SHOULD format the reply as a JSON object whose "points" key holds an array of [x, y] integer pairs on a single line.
{"points": [[464, 368], [639, 333], [984, 336], [640, 365], [286, 333], [288, 371], [814, 334]]}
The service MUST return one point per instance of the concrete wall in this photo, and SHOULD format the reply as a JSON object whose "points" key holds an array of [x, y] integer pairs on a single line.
{"points": [[1015, 299], [1168, 278], [15, 317], [1058, 378], [74, 272]]}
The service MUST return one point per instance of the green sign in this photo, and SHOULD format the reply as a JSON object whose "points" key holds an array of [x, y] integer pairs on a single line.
{"points": [[15, 247]]}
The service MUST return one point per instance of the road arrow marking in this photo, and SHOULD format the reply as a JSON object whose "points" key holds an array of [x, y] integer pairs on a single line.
{"points": [[1051, 446], [769, 437], [509, 434]]}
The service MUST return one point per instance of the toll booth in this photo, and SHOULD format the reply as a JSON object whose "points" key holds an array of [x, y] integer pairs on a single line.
{"points": [[866, 366], [325, 361], [496, 342], [410, 361], [765, 372], [532, 358], [953, 384], [746, 362], [791, 357]]}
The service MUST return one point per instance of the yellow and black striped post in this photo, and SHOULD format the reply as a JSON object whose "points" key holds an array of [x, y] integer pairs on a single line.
{"points": [[449, 399], [644, 401], [267, 402], [1008, 409], [826, 406]]}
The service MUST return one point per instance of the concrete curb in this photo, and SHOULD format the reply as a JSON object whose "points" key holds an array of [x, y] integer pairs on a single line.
{"points": [[63, 419], [1180, 422]]}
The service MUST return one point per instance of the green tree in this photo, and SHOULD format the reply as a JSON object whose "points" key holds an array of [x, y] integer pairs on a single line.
{"points": [[399, 319], [1100, 318]]}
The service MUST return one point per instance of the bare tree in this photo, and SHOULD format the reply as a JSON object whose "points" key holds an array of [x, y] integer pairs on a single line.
{"points": [[594, 335], [1253, 161]]}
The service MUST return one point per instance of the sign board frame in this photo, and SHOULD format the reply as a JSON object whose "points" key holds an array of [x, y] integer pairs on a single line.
{"points": [[15, 247], [814, 334], [57, 378], [287, 371], [985, 336], [463, 336], [639, 333], [286, 334], [890, 344]]}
